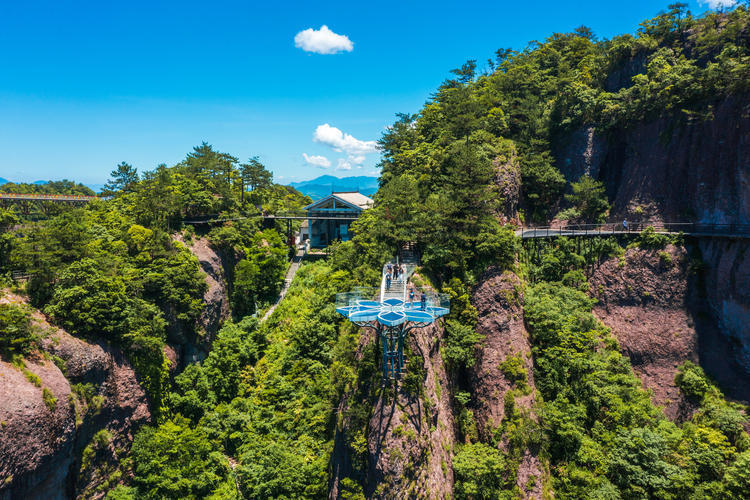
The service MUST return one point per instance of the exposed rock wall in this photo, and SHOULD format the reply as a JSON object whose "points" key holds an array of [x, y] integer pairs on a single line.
{"points": [[498, 299], [409, 437], [644, 299], [40, 448], [656, 304], [216, 309], [726, 271], [410, 444], [673, 168]]}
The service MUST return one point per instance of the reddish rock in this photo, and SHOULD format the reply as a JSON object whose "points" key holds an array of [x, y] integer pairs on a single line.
{"points": [[40, 449], [498, 299], [644, 300], [675, 168], [410, 445], [187, 347], [663, 314]]}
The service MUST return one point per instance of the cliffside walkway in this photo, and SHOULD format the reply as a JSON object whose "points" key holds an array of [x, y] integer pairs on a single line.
{"points": [[48, 197], [293, 267], [695, 229]]}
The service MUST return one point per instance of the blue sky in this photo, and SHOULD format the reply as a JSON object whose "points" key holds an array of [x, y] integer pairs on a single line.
{"points": [[86, 85]]}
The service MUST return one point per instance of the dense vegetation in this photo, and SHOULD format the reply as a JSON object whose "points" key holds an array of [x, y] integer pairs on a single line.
{"points": [[113, 271], [604, 437], [256, 418]]}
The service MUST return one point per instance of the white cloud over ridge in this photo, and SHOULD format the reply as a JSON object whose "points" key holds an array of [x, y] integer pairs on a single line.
{"points": [[343, 165], [322, 41], [317, 160], [341, 142], [718, 4]]}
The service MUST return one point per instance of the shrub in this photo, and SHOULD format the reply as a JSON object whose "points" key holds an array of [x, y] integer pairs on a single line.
{"points": [[650, 239], [49, 399], [665, 258], [692, 381], [16, 336], [514, 370], [480, 472]]}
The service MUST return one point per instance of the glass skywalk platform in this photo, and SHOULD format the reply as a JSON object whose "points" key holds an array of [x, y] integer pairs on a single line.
{"points": [[392, 319]]}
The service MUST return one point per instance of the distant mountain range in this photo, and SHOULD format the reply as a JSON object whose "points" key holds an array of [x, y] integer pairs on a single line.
{"points": [[326, 184], [315, 188]]}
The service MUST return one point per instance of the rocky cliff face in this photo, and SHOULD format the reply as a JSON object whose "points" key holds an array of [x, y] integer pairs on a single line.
{"points": [[726, 274], [42, 442], [409, 436], [498, 300], [656, 304], [186, 348], [675, 168]]}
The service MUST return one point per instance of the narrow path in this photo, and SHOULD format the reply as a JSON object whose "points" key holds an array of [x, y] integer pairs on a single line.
{"points": [[293, 267]]}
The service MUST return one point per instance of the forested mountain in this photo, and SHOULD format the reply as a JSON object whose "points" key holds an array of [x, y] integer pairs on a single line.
{"points": [[563, 370]]}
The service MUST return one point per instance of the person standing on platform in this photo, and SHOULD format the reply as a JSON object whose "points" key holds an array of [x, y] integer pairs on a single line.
{"points": [[424, 301], [411, 297], [387, 282]]}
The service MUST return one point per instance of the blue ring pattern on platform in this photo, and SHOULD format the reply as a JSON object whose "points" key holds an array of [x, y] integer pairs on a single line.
{"points": [[392, 312]]}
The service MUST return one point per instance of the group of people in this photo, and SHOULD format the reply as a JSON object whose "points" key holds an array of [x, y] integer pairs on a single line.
{"points": [[392, 274]]}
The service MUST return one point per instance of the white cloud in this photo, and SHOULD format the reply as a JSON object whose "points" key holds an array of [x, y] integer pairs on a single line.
{"points": [[357, 159], [322, 41], [719, 4], [339, 141], [343, 165], [316, 160]]}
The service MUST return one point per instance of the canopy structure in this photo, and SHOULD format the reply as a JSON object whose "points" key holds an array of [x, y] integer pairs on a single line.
{"points": [[392, 319]]}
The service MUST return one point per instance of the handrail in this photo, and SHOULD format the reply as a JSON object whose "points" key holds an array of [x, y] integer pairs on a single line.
{"points": [[48, 197], [694, 228]]}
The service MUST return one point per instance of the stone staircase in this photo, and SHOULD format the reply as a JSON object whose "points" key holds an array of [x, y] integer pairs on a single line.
{"points": [[396, 291], [408, 257]]}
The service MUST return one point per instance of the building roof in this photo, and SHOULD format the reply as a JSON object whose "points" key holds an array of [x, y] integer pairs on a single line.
{"points": [[354, 199]]}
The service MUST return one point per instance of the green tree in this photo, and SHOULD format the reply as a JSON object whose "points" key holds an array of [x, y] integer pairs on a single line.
{"points": [[259, 276], [481, 472], [253, 174], [176, 461], [589, 199], [123, 178], [16, 335]]}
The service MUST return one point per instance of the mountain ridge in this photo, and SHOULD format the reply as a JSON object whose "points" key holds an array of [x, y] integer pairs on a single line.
{"points": [[326, 184]]}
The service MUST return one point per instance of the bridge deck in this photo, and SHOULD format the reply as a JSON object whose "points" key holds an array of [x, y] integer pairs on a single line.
{"points": [[46, 197], [593, 230]]}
